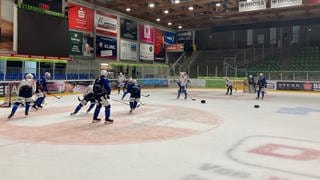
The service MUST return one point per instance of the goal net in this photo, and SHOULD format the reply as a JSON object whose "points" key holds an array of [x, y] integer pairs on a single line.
{"points": [[8, 92]]}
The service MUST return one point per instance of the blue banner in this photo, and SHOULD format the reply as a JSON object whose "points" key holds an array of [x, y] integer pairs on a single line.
{"points": [[106, 47], [170, 38]]}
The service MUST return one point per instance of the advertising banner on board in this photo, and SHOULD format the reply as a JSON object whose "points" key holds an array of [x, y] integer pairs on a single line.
{"points": [[128, 29], [253, 5], [75, 43], [87, 44], [291, 85], [170, 38], [128, 50], [184, 36], [80, 17], [106, 24], [106, 47], [312, 2], [146, 51], [285, 3], [159, 46], [146, 33]]}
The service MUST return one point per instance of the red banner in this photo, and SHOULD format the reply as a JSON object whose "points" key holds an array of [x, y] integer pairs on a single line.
{"points": [[80, 17], [175, 47], [106, 23], [312, 2]]}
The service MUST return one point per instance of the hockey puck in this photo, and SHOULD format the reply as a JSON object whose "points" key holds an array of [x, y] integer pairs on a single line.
{"points": [[256, 106], [203, 101]]}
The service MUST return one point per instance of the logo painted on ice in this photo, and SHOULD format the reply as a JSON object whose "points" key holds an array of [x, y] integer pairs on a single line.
{"points": [[293, 156]]}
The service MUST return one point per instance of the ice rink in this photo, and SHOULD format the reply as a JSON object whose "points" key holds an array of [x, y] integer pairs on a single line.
{"points": [[167, 139]]}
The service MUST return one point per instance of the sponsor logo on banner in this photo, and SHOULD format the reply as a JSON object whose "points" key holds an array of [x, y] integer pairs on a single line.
{"points": [[285, 3], [128, 50], [175, 47], [279, 154], [159, 45], [184, 36], [170, 38], [80, 17], [75, 43], [316, 86], [106, 47], [146, 34], [106, 24], [146, 51], [252, 5]]}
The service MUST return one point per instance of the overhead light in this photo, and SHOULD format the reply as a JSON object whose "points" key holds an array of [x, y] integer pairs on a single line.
{"points": [[218, 4], [177, 1], [190, 8], [158, 19], [169, 23], [180, 27], [128, 9], [166, 11], [152, 5]]}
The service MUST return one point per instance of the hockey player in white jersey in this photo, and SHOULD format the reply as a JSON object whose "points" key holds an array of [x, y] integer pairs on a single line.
{"points": [[87, 96], [121, 82], [26, 89], [182, 83]]}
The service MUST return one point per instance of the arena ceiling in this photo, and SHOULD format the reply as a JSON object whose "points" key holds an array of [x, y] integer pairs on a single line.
{"points": [[205, 13]]}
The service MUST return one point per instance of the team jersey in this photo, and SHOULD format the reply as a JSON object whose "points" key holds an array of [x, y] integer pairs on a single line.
{"points": [[26, 88]]}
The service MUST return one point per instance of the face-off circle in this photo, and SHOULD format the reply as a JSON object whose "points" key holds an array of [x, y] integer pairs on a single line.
{"points": [[146, 124]]}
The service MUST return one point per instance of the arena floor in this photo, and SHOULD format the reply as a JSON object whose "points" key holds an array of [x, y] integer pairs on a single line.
{"points": [[167, 139]]}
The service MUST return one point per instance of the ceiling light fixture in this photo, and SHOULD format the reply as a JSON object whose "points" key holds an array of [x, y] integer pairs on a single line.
{"points": [[158, 19], [166, 11], [180, 27], [190, 8], [128, 9], [169, 23], [177, 1], [151, 5], [218, 4]]}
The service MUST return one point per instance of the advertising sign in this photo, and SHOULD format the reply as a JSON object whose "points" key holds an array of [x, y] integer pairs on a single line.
{"points": [[312, 2], [304, 86], [80, 17], [253, 5], [170, 38], [175, 47], [285, 3], [128, 50], [184, 36], [106, 47], [146, 33], [159, 45], [6, 24], [75, 43], [316, 86], [128, 29], [146, 51], [87, 44], [50, 5], [106, 24]]}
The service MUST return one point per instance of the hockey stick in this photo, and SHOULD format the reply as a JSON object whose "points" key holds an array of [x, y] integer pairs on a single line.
{"points": [[120, 101], [58, 97], [145, 95], [193, 99]]}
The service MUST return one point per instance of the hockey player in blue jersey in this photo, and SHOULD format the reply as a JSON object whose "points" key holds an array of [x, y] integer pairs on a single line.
{"points": [[261, 85], [128, 86], [101, 91], [135, 95], [26, 89], [41, 90], [88, 96]]}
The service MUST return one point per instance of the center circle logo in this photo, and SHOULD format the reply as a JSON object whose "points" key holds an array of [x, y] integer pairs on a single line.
{"points": [[146, 124]]}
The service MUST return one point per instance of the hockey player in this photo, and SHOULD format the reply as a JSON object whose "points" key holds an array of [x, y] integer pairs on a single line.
{"points": [[41, 90], [87, 96], [251, 84], [135, 95], [182, 83], [229, 86], [121, 82], [26, 89], [128, 86], [101, 91], [261, 85]]}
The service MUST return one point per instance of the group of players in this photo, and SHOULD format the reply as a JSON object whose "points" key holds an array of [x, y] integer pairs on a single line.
{"points": [[99, 94], [29, 87], [255, 86]]}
